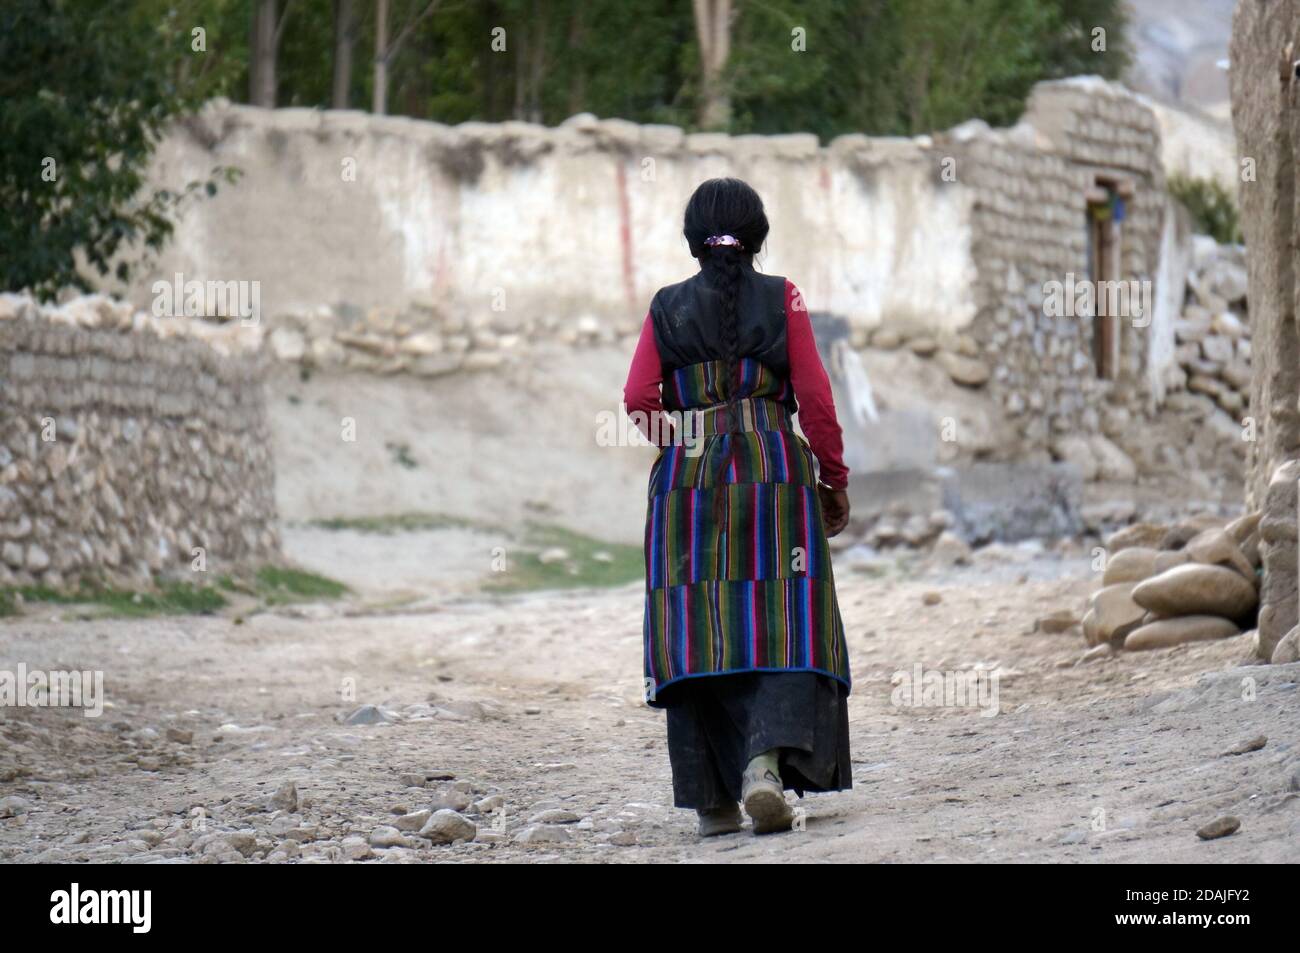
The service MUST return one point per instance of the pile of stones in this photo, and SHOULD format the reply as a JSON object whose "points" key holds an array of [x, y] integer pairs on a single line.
{"points": [[424, 339], [1213, 333], [957, 354], [1163, 586]]}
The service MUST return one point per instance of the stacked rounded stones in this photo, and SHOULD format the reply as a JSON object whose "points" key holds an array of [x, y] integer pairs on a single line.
{"points": [[1166, 585], [1204, 598]]}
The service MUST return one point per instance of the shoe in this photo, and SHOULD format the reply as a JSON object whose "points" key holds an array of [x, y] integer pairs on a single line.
{"points": [[720, 820], [764, 798]]}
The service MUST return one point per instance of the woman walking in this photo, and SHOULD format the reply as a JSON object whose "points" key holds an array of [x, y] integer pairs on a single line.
{"points": [[744, 645]]}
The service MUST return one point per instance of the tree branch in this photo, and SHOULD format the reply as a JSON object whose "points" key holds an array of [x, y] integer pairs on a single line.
{"points": [[406, 30], [284, 18]]}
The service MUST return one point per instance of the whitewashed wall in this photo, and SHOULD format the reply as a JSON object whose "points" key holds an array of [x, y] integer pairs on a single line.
{"points": [[582, 220]]}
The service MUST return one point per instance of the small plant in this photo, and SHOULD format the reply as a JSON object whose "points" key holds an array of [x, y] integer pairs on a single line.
{"points": [[402, 455], [279, 584], [1212, 207]]}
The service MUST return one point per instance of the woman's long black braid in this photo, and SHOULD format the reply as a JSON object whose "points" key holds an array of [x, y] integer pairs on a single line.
{"points": [[724, 262], [726, 207]]}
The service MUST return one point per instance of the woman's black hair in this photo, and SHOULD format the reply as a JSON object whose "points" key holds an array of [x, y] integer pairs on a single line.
{"points": [[726, 207]]}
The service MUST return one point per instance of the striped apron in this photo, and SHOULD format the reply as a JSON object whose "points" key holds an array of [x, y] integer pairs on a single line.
{"points": [[750, 590]]}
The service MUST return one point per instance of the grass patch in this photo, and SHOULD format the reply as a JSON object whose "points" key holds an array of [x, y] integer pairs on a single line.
{"points": [[170, 598], [277, 585], [555, 558], [542, 556], [396, 523], [272, 585]]}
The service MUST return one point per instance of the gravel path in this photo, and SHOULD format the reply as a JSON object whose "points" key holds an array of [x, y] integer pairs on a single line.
{"points": [[525, 715]]}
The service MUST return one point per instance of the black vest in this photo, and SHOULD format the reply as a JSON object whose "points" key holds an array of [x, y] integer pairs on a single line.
{"points": [[688, 327]]}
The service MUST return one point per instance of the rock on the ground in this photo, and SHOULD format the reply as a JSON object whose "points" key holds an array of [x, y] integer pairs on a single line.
{"points": [[1287, 650], [413, 821], [556, 815], [1112, 614], [387, 836], [1219, 827], [285, 798], [356, 848], [493, 802], [1130, 565], [1164, 633], [1057, 622], [1243, 527], [1215, 547], [244, 842], [447, 827], [1194, 589], [1098, 652], [14, 805], [1138, 534], [1168, 559], [450, 799], [542, 834], [1185, 530], [367, 715], [1247, 745], [950, 550]]}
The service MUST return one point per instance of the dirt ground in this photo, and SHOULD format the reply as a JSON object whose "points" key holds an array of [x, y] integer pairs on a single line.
{"points": [[525, 713]]}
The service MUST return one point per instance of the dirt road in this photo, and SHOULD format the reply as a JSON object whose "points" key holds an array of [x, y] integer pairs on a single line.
{"points": [[525, 714]]}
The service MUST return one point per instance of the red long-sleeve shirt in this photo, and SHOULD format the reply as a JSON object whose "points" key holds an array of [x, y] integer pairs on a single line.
{"points": [[812, 388]]}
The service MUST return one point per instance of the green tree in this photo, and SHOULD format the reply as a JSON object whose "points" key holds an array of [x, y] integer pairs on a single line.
{"points": [[85, 90], [903, 67]]}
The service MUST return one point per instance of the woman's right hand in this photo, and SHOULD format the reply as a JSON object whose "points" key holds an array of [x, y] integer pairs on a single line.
{"points": [[835, 509]]}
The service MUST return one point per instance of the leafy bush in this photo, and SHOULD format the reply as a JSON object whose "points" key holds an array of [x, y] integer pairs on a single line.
{"points": [[1213, 208]]}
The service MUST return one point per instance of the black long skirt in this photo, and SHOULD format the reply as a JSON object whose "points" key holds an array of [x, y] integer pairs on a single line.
{"points": [[717, 723]]}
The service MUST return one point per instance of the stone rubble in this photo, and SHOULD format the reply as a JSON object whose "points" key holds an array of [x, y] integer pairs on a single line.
{"points": [[1213, 334], [1164, 586]]}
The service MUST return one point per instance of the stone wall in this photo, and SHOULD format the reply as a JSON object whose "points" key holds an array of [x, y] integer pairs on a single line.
{"points": [[1029, 222], [1214, 335], [128, 443], [1266, 114]]}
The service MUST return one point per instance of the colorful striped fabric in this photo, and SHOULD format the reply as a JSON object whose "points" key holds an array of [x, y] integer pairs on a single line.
{"points": [[753, 590], [705, 384]]}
